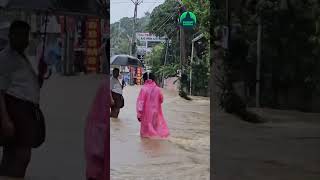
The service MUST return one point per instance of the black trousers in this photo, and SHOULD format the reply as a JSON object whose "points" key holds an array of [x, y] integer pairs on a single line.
{"points": [[17, 152], [15, 161], [118, 104]]}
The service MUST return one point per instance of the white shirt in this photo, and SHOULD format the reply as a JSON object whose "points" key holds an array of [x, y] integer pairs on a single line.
{"points": [[17, 77], [115, 85]]}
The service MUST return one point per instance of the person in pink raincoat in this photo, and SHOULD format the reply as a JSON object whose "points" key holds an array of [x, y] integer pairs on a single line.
{"points": [[149, 109], [97, 135]]}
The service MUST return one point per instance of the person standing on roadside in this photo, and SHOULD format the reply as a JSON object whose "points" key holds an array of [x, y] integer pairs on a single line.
{"points": [[22, 122], [116, 93]]}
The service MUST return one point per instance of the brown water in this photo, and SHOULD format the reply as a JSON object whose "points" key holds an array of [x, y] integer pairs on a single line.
{"points": [[184, 156]]}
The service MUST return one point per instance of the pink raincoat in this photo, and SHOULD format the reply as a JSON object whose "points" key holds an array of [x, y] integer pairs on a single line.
{"points": [[149, 110], [97, 136]]}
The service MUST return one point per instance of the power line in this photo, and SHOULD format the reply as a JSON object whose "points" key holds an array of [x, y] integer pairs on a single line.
{"points": [[169, 34], [152, 5], [159, 24], [163, 23]]}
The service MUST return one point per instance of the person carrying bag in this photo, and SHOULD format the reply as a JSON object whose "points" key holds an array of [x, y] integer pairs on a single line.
{"points": [[116, 94], [22, 121]]}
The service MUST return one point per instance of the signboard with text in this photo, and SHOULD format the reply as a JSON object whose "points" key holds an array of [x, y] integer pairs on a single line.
{"points": [[139, 75], [188, 20], [149, 37], [93, 43]]}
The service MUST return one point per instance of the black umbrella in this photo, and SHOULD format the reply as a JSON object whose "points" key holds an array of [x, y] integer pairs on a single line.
{"points": [[126, 60]]}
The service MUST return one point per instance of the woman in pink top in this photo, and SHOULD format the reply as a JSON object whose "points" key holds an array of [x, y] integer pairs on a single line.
{"points": [[97, 135], [149, 109]]}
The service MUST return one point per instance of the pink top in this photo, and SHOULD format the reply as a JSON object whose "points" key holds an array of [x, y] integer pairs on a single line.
{"points": [[97, 135], [149, 110]]}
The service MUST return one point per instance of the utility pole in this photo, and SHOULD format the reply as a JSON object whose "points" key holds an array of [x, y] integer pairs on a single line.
{"points": [[136, 4], [133, 39], [165, 59], [119, 30], [182, 41], [182, 48]]}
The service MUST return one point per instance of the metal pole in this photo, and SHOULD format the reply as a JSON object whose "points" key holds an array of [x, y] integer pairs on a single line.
{"points": [[65, 46], [182, 46], [119, 29], [132, 52], [134, 29], [191, 61], [228, 23], [44, 46], [165, 61], [258, 63], [136, 4]]}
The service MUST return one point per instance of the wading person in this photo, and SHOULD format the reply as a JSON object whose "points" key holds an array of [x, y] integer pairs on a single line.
{"points": [[116, 94], [149, 109], [22, 123]]}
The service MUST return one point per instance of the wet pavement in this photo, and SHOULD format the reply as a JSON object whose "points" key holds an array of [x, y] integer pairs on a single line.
{"points": [[184, 156], [285, 148], [65, 103]]}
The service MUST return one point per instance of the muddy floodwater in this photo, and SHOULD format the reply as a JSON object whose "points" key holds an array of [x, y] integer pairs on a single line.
{"points": [[184, 156]]}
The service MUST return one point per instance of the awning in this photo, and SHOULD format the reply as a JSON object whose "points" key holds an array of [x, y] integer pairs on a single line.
{"points": [[68, 7]]}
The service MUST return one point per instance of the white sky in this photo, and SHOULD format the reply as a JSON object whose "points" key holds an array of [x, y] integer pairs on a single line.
{"points": [[125, 8]]}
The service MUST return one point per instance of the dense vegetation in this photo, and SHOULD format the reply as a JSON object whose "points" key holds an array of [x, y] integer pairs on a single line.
{"points": [[290, 66]]}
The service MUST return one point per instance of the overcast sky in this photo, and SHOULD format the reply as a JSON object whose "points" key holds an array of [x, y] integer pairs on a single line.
{"points": [[125, 8]]}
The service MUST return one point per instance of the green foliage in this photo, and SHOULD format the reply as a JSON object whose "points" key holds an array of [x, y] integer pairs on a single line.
{"points": [[155, 59], [200, 78], [290, 46], [164, 22], [122, 48], [169, 70], [163, 19], [202, 10]]}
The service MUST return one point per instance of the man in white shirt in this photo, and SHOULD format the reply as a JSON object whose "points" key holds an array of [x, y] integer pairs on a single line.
{"points": [[19, 103], [116, 93]]}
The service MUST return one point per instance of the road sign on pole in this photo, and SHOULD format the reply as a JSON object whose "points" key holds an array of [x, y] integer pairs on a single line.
{"points": [[188, 20]]}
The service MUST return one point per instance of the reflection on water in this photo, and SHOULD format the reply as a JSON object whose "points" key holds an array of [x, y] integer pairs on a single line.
{"points": [[153, 147], [184, 156]]}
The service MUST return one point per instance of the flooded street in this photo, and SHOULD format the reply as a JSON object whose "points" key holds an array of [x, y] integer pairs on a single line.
{"points": [[185, 155]]}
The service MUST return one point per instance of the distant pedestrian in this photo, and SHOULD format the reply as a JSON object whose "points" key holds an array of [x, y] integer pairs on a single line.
{"points": [[54, 55], [116, 92], [149, 109], [123, 83]]}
